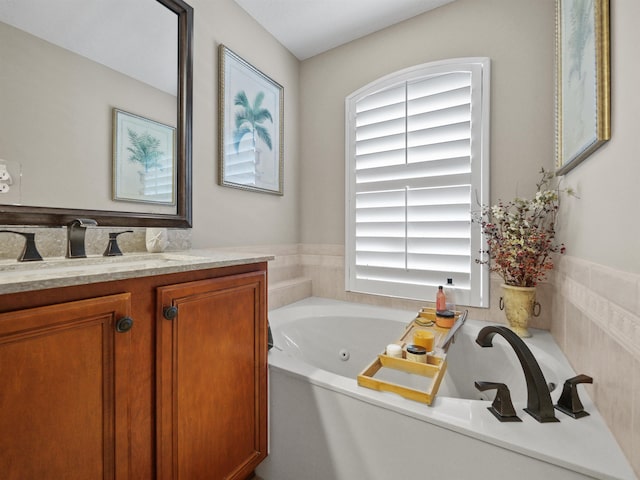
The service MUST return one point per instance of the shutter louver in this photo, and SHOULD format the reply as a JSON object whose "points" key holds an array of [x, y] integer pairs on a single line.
{"points": [[411, 188]]}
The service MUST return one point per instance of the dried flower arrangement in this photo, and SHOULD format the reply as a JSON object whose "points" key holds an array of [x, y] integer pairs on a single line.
{"points": [[521, 234]]}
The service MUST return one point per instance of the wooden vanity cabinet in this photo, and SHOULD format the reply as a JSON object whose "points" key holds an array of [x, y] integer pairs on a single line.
{"points": [[64, 408], [212, 382], [169, 399]]}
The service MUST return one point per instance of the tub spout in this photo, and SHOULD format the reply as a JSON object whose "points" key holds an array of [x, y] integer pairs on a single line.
{"points": [[539, 404]]}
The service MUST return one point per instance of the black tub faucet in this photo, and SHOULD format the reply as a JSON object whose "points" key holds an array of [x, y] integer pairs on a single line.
{"points": [[76, 230], [539, 404]]}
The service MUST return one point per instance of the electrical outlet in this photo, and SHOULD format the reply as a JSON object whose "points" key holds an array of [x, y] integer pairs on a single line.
{"points": [[4, 174], [4, 188]]}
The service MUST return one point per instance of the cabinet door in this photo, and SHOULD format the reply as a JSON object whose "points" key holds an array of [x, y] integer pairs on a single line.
{"points": [[63, 391], [212, 378]]}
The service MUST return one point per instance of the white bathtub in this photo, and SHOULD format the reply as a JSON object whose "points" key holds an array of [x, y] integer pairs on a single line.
{"points": [[323, 426]]}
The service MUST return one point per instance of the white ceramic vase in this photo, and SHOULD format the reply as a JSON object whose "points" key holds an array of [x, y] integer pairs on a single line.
{"points": [[156, 240]]}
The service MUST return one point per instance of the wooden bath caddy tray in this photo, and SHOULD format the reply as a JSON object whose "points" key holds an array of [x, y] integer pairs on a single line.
{"points": [[433, 370]]}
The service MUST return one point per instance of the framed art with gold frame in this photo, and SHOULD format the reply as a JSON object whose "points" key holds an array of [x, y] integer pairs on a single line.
{"points": [[583, 119]]}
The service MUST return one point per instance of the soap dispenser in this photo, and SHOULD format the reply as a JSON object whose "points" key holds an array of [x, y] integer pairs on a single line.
{"points": [[450, 295]]}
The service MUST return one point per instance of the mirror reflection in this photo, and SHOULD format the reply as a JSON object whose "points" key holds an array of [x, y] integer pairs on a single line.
{"points": [[67, 68]]}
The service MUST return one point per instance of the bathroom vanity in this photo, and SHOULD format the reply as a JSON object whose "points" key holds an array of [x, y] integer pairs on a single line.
{"points": [[147, 366]]}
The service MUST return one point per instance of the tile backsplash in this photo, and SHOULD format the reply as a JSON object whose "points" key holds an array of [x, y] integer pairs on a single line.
{"points": [[52, 242], [596, 322]]}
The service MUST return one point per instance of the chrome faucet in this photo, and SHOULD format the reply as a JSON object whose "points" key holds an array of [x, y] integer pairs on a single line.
{"points": [[76, 230], [539, 404]]}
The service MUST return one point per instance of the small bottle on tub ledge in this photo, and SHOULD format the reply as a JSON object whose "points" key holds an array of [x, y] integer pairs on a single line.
{"points": [[441, 300], [445, 306], [450, 295]]}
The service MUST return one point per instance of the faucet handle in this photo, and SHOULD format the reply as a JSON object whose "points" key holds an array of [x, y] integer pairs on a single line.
{"points": [[502, 407], [112, 247], [30, 252], [569, 401]]}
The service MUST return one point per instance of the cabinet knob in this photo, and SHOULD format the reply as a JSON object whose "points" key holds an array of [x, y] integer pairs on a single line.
{"points": [[170, 312], [124, 324]]}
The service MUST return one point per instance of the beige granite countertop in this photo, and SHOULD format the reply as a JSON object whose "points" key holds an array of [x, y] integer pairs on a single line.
{"points": [[62, 272]]}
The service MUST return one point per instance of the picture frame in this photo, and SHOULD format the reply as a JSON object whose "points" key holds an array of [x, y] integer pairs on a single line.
{"points": [[251, 127], [144, 160], [583, 118]]}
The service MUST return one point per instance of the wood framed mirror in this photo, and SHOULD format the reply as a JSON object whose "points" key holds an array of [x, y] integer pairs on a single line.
{"points": [[57, 129]]}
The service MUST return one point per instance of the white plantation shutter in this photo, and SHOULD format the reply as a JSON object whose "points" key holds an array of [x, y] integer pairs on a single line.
{"points": [[417, 164]]}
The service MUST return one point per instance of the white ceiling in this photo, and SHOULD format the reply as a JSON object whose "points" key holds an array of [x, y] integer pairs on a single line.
{"points": [[305, 27], [310, 27]]}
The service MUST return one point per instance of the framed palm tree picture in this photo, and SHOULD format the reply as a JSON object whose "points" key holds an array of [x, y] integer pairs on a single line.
{"points": [[251, 127], [144, 160]]}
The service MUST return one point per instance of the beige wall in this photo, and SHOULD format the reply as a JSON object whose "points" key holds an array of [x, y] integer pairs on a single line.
{"points": [[596, 312], [592, 304], [518, 36], [225, 216], [222, 216], [602, 225]]}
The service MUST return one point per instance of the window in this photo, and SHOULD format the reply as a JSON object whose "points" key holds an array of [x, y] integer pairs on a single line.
{"points": [[417, 144]]}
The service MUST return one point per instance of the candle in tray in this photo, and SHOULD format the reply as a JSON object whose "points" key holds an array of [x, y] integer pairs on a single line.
{"points": [[394, 350], [424, 338]]}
